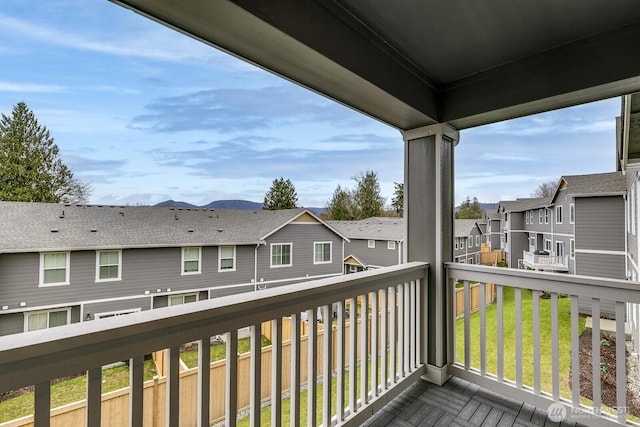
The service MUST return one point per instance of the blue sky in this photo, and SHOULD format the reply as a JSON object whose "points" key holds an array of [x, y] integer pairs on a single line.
{"points": [[145, 114]]}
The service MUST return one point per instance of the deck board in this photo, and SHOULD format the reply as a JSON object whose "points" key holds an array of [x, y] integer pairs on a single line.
{"points": [[458, 403]]}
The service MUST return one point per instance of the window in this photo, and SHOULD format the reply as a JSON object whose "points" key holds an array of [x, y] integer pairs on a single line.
{"points": [[227, 258], [54, 268], [353, 268], [558, 214], [182, 299], [572, 213], [280, 254], [526, 217], [539, 216], [547, 245], [322, 252], [391, 244], [572, 248], [470, 261], [559, 248], [478, 240], [47, 319], [455, 243], [532, 243], [108, 265], [371, 243], [470, 241], [546, 216], [190, 260]]}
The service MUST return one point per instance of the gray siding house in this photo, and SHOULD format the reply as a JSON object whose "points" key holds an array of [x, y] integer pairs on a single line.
{"points": [[372, 243], [66, 263], [467, 241]]}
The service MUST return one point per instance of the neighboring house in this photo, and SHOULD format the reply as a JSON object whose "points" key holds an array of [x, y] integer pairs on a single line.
{"points": [[372, 243], [492, 231], [467, 241], [66, 263]]}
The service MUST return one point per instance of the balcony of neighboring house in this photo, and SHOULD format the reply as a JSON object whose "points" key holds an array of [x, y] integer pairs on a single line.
{"points": [[522, 359], [544, 261]]}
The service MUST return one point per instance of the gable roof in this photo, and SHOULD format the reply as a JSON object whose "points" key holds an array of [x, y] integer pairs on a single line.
{"points": [[593, 184], [463, 227], [523, 204], [29, 227], [375, 228]]}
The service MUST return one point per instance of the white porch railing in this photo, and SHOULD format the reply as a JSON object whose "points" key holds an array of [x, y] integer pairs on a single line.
{"points": [[385, 349], [546, 262], [531, 370]]}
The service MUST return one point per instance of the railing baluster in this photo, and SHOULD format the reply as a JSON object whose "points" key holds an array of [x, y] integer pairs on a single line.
{"points": [[231, 386], [518, 310], [276, 371], [467, 325], [42, 404], [555, 347], [483, 329], [393, 335], [499, 333], [353, 355], [374, 343], [255, 375], [535, 309], [94, 396], [364, 349], [575, 352], [621, 372], [326, 362], [401, 326], [173, 387], [407, 329], [417, 321], [136, 383], [312, 364], [413, 346], [340, 361], [595, 353], [452, 304], [294, 399], [204, 381], [384, 331]]}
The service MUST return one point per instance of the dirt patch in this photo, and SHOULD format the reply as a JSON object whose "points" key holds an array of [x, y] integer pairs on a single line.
{"points": [[607, 374]]}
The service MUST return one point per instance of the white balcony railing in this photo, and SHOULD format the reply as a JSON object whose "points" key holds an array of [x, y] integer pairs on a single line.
{"points": [[546, 262], [383, 350], [527, 345]]}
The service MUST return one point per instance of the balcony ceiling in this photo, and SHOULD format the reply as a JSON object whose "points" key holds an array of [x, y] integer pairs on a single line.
{"points": [[412, 63]]}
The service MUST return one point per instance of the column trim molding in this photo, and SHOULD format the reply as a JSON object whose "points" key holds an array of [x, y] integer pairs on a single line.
{"points": [[431, 130]]}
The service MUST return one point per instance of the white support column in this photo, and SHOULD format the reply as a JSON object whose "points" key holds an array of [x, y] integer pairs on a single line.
{"points": [[428, 212]]}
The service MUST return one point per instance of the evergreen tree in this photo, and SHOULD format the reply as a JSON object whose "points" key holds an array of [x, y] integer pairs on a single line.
{"points": [[30, 169], [366, 196], [397, 201], [469, 209], [281, 195], [340, 207]]}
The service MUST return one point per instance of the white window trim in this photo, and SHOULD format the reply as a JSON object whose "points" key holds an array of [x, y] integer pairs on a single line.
{"points": [[572, 213], [559, 218], [548, 247], [469, 241], [371, 243], [462, 261], [330, 252], [477, 240], [67, 274], [391, 245], [115, 279], [27, 314], [220, 269], [196, 294], [526, 217], [546, 215], [572, 248], [188, 273], [559, 243], [271, 265], [540, 216]]}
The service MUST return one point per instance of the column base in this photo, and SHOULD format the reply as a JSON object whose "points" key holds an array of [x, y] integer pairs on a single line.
{"points": [[436, 375]]}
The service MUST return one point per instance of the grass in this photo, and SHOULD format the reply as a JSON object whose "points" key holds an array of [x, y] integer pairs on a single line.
{"points": [[509, 340]]}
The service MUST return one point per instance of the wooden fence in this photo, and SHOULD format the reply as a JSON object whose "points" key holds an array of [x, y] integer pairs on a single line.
{"points": [[474, 294], [116, 403]]}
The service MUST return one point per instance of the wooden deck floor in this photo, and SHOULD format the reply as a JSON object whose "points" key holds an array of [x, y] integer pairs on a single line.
{"points": [[458, 403]]}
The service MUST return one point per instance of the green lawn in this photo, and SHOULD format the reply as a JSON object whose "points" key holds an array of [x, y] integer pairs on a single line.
{"points": [[509, 336]]}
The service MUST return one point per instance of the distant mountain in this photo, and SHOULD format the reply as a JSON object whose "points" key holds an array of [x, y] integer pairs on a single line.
{"points": [[487, 207], [228, 204]]}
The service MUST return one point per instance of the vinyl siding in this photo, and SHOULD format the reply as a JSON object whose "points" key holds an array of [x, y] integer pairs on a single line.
{"points": [[600, 223], [302, 237], [519, 244], [601, 265], [378, 256], [12, 323]]}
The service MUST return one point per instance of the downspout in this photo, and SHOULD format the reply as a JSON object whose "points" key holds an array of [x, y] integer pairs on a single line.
{"points": [[255, 267], [400, 252], [626, 235]]}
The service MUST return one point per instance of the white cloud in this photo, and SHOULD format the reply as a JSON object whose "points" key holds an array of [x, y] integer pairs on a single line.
{"points": [[29, 87]]}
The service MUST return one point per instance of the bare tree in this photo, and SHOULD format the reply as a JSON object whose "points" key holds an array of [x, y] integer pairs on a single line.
{"points": [[546, 189]]}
